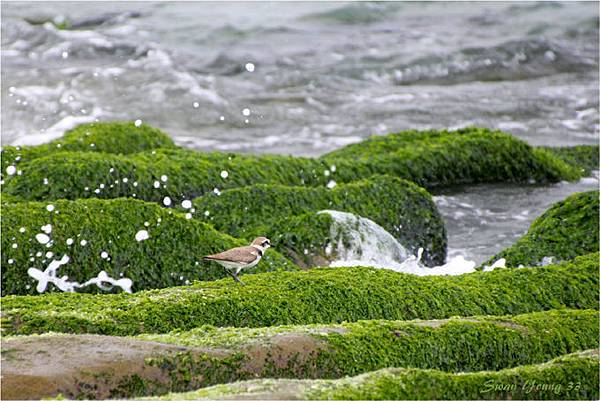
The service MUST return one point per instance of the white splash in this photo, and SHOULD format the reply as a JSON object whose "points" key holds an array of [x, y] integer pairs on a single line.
{"points": [[42, 238], [49, 276], [367, 241], [361, 242], [141, 235]]}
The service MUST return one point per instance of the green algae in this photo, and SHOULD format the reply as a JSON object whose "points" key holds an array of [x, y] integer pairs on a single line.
{"points": [[171, 255], [428, 158], [287, 214], [568, 229], [323, 295], [573, 376]]}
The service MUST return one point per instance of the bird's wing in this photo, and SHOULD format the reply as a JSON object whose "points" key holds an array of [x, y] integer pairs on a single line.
{"points": [[242, 254]]}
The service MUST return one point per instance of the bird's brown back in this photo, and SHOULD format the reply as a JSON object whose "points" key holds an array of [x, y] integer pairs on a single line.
{"points": [[243, 254]]}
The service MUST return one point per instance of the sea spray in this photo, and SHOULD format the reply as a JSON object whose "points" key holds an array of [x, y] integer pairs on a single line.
{"points": [[358, 241], [49, 275]]}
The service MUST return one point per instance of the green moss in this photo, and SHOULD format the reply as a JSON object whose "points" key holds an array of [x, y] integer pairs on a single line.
{"points": [[568, 229], [405, 210], [119, 137], [442, 158], [586, 157], [189, 174], [429, 158], [573, 376], [326, 295], [171, 255], [457, 344]]}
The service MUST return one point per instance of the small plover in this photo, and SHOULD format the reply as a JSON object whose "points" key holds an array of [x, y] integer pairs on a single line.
{"points": [[236, 259]]}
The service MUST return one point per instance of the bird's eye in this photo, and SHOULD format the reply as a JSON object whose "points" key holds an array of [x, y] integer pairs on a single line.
{"points": [[266, 243]]}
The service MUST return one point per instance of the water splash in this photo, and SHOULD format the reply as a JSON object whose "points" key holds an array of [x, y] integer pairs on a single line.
{"points": [[359, 241], [49, 275]]}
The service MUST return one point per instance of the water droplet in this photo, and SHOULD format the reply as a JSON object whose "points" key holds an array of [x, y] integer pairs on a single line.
{"points": [[186, 204], [50, 208], [224, 174], [141, 235], [138, 122], [250, 67], [167, 201], [246, 112], [10, 170]]}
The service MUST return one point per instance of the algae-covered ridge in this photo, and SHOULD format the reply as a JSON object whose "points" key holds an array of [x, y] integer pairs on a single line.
{"points": [[428, 158], [568, 229], [574, 376], [287, 214], [205, 356], [322, 295], [86, 229]]}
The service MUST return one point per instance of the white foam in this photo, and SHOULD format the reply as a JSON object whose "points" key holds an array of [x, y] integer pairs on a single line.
{"points": [[141, 235], [49, 276], [361, 242], [57, 130]]}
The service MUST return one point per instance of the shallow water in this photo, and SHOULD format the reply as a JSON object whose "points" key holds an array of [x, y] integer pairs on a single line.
{"points": [[325, 75]]}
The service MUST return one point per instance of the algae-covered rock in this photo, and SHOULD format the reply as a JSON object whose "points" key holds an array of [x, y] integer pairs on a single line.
{"points": [[572, 377], [429, 158], [586, 157], [568, 229], [35, 233], [179, 174], [46, 365], [288, 215], [118, 137], [351, 348], [324, 295], [442, 158]]}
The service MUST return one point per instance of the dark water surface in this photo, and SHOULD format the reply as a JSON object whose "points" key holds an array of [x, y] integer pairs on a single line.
{"points": [[325, 75]]}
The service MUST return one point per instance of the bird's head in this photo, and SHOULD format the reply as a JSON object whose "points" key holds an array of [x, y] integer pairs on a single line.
{"points": [[261, 242]]}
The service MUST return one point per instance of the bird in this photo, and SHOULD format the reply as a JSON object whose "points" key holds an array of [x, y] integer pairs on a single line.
{"points": [[243, 257]]}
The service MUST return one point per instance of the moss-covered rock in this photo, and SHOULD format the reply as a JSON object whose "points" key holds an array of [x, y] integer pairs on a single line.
{"points": [[586, 157], [573, 376], [568, 229], [325, 295], [119, 137], [171, 255], [402, 208], [456, 344], [442, 158], [429, 158], [73, 175], [206, 356]]}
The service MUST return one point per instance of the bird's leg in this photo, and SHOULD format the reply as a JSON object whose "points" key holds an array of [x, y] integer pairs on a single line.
{"points": [[231, 274], [235, 277]]}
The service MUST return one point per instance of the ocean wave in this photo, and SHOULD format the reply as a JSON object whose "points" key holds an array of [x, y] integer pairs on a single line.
{"points": [[93, 21], [514, 60], [355, 13]]}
